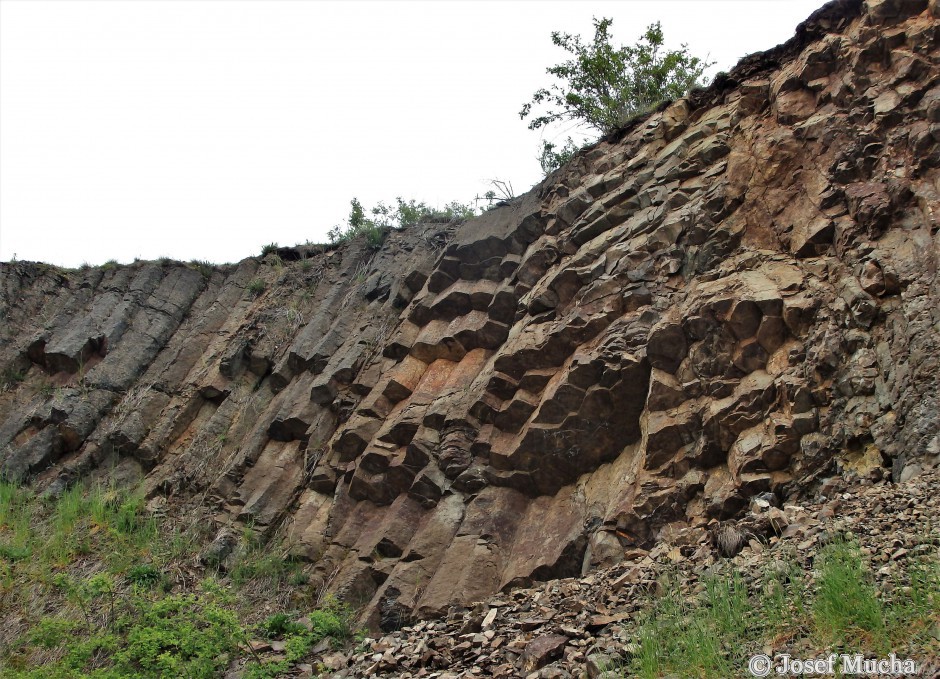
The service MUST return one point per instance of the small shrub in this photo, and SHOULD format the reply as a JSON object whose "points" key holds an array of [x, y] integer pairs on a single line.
{"points": [[299, 579], [143, 575], [110, 264], [53, 632], [603, 86], [182, 635], [256, 287], [333, 619], [10, 378], [413, 213], [204, 267], [269, 248], [280, 625], [50, 632], [550, 159], [387, 217], [358, 225]]}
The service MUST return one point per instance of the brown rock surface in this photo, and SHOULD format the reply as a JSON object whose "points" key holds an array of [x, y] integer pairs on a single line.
{"points": [[587, 626], [724, 299]]}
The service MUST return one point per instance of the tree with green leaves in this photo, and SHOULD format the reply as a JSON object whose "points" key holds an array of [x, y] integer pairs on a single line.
{"points": [[604, 86]]}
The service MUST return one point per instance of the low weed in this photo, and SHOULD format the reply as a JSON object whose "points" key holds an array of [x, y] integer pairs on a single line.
{"points": [[144, 575], [46, 389], [259, 565]]}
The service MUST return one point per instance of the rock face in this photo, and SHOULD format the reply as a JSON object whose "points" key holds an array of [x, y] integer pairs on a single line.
{"points": [[587, 626], [727, 298]]}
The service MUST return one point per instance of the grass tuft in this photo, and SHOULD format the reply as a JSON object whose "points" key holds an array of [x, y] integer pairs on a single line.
{"points": [[846, 610], [256, 287]]}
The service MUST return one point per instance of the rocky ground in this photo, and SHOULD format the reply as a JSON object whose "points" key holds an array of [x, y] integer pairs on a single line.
{"points": [[576, 627]]}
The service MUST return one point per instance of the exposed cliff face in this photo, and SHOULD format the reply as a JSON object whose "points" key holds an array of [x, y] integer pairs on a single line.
{"points": [[727, 299]]}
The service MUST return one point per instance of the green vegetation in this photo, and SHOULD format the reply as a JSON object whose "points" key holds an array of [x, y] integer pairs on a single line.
{"points": [[358, 225], [10, 377], [95, 586], [695, 638], [192, 635], [279, 625], [260, 565], [551, 160], [384, 218], [839, 610], [204, 267], [603, 86], [256, 287], [269, 248], [331, 620]]}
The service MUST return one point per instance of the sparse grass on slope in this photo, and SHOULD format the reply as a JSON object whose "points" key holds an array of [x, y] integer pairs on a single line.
{"points": [[837, 608], [92, 585]]}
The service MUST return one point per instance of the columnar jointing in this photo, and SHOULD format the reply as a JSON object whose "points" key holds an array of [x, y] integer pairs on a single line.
{"points": [[727, 298]]}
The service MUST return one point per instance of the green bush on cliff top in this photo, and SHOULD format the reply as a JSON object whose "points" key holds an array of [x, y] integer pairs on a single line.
{"points": [[384, 218], [602, 87]]}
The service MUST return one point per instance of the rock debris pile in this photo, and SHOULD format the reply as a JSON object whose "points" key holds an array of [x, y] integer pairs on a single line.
{"points": [[577, 627]]}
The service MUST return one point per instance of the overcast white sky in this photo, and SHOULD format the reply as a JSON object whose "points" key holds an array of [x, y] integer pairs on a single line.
{"points": [[205, 129]]}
